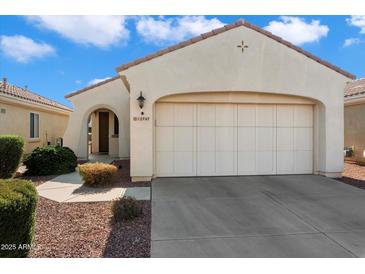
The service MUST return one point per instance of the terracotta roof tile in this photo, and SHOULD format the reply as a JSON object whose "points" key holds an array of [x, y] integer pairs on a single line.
{"points": [[91, 87], [18, 92], [239, 23], [355, 88]]}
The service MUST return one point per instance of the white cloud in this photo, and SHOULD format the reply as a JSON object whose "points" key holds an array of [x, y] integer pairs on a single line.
{"points": [[351, 41], [23, 49], [78, 82], [357, 21], [297, 31], [99, 31], [163, 30], [96, 81]]}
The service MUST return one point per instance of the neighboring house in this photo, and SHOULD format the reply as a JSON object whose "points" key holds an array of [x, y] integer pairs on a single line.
{"points": [[39, 120], [234, 101], [355, 119]]}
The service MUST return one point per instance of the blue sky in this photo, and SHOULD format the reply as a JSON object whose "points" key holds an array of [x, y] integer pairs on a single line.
{"points": [[56, 55]]}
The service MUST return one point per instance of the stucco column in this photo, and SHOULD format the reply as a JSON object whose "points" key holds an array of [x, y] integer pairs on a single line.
{"points": [[141, 140], [334, 142]]}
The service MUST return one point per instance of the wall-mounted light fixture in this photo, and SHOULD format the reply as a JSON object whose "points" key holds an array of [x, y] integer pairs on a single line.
{"points": [[141, 101]]}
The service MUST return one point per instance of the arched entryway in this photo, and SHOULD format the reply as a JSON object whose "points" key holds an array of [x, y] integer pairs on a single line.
{"points": [[102, 133]]}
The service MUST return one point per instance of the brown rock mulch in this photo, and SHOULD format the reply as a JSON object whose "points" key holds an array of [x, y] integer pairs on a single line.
{"points": [[353, 174], [131, 238], [124, 175], [85, 230]]}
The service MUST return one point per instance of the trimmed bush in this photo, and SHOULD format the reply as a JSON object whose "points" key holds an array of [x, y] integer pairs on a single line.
{"points": [[51, 160], [126, 208], [98, 174], [18, 201], [11, 151]]}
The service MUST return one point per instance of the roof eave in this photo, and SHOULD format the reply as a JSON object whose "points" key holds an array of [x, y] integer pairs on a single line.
{"points": [[90, 87]]}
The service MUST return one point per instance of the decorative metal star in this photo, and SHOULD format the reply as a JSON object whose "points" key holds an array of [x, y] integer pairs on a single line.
{"points": [[242, 46]]}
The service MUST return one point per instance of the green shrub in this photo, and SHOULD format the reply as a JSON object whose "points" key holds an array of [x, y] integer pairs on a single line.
{"points": [[126, 208], [50, 160], [18, 201], [98, 174], [11, 150]]}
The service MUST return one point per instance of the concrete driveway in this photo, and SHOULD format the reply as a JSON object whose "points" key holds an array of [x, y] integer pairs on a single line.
{"points": [[257, 216]]}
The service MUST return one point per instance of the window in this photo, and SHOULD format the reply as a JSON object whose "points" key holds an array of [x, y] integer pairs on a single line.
{"points": [[116, 125], [34, 125]]}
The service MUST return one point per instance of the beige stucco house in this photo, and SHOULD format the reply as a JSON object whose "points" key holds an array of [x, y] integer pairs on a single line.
{"points": [[355, 119], [38, 120], [234, 101]]}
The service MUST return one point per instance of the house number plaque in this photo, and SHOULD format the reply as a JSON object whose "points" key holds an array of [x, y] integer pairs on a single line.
{"points": [[141, 118]]}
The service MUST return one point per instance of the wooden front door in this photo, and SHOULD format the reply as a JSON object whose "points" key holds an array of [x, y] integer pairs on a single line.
{"points": [[103, 131]]}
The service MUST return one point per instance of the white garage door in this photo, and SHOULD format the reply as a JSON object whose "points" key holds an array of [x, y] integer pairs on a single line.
{"points": [[233, 139]]}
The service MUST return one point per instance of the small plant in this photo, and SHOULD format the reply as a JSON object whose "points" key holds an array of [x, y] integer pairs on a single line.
{"points": [[126, 208], [98, 174], [11, 151], [18, 201], [51, 160]]}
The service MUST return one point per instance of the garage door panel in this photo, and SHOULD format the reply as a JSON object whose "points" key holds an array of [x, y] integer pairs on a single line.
{"points": [[205, 163], [206, 115], [225, 115], [206, 139], [285, 162], [265, 138], [303, 116], [265, 115], [165, 115], [225, 139], [184, 163], [225, 163], [164, 139], [265, 162], [303, 138], [285, 116], [164, 163], [246, 115], [303, 162], [184, 115], [246, 162], [184, 139], [246, 138], [285, 139]]}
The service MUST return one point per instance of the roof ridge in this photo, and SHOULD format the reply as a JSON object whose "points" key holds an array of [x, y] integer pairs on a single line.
{"points": [[53, 103], [240, 22]]}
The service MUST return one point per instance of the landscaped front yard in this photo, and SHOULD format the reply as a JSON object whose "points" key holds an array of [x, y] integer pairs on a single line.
{"points": [[87, 230]]}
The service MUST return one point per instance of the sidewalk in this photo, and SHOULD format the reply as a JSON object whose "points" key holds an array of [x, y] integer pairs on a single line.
{"points": [[69, 188]]}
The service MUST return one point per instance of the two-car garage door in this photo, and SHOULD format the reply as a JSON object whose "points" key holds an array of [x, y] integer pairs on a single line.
{"points": [[233, 139]]}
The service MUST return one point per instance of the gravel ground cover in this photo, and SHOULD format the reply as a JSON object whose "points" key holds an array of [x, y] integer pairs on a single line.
{"points": [[85, 230], [353, 174]]}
